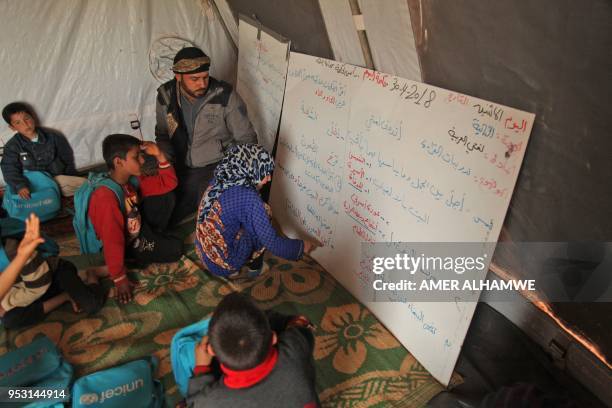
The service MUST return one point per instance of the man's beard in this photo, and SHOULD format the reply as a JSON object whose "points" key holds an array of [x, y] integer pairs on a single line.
{"points": [[191, 94]]}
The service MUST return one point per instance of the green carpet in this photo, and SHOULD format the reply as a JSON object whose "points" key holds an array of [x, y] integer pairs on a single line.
{"points": [[359, 363]]}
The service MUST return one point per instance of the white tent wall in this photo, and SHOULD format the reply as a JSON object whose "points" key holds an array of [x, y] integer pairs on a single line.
{"points": [[231, 23], [85, 66], [388, 31], [342, 31]]}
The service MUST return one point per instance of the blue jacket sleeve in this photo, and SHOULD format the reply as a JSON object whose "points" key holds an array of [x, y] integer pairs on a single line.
{"points": [[12, 170], [258, 224]]}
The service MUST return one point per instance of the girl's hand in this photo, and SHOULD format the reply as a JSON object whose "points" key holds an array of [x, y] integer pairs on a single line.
{"points": [[310, 245]]}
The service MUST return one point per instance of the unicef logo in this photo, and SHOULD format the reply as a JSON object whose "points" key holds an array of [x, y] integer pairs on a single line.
{"points": [[88, 399]]}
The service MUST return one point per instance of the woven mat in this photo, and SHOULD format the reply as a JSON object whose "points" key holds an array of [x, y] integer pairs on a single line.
{"points": [[359, 363]]}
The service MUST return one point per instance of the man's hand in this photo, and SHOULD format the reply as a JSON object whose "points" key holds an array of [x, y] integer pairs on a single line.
{"points": [[310, 245], [31, 238], [202, 357], [124, 290], [153, 149], [24, 193]]}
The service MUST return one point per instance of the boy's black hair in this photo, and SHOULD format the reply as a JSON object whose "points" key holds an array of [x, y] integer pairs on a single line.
{"points": [[239, 333], [117, 145], [13, 108]]}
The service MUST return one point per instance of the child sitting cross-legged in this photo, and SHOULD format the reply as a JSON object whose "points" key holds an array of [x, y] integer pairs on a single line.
{"points": [[265, 359]]}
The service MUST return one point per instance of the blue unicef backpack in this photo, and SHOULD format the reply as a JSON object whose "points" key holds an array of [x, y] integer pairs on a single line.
{"points": [[182, 352], [129, 385], [86, 235], [39, 365], [45, 199]]}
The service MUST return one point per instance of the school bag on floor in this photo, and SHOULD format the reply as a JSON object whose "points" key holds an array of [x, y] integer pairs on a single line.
{"points": [[182, 352], [37, 364], [45, 198], [130, 385], [84, 229]]}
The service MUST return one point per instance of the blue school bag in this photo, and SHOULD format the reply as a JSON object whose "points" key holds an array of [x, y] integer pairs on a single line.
{"points": [[45, 198], [129, 385], [182, 352], [85, 232], [37, 364]]}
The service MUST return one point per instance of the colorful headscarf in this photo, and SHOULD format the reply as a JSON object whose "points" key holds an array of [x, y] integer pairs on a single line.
{"points": [[242, 165]]}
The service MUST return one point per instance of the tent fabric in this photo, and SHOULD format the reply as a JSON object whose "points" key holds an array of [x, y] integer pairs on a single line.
{"points": [[388, 29], [231, 23], [89, 67], [390, 36], [341, 31]]}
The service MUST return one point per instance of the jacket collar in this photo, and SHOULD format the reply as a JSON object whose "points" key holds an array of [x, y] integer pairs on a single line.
{"points": [[247, 378], [42, 138]]}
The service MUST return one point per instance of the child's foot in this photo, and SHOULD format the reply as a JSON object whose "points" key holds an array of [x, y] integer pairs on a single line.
{"points": [[75, 306], [101, 271], [247, 274], [92, 277], [65, 297], [254, 273]]}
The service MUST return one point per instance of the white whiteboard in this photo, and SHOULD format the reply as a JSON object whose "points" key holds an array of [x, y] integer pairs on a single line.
{"points": [[407, 150], [262, 71]]}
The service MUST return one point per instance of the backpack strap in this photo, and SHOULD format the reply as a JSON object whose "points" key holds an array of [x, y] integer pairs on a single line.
{"points": [[114, 187], [88, 241]]}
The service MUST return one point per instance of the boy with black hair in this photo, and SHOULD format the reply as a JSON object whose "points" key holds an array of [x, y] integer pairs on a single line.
{"points": [[148, 200], [36, 149], [265, 359]]}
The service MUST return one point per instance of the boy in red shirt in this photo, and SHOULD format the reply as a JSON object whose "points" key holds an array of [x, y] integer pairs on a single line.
{"points": [[149, 201]]}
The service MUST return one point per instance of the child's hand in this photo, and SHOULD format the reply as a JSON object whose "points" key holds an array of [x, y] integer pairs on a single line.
{"points": [[124, 290], [31, 238], [301, 321], [24, 193], [153, 149], [202, 357], [310, 245]]}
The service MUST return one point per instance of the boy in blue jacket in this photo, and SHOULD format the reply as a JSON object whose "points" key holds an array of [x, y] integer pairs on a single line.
{"points": [[36, 149]]}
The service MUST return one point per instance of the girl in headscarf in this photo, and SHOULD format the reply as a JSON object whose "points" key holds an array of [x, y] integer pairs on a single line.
{"points": [[233, 224]]}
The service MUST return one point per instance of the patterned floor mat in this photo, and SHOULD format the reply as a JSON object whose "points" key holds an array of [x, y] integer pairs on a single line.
{"points": [[359, 363]]}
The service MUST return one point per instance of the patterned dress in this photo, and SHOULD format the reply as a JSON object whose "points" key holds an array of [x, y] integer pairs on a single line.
{"points": [[234, 224]]}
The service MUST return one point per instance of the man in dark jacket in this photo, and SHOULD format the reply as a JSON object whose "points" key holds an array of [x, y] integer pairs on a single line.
{"points": [[36, 149], [198, 117]]}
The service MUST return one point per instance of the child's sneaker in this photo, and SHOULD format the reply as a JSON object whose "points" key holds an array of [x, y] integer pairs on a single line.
{"points": [[254, 273]]}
